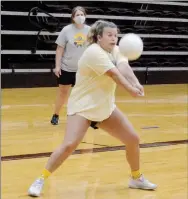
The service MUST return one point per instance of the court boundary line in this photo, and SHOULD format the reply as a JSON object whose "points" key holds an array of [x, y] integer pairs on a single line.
{"points": [[93, 150]]}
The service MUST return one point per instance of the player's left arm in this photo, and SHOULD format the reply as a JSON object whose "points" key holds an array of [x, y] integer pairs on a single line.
{"points": [[124, 68], [128, 73]]}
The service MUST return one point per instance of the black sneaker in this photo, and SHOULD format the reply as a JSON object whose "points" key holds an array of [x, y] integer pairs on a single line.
{"points": [[55, 119]]}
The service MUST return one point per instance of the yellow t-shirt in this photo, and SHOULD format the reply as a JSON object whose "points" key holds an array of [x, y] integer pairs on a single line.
{"points": [[93, 95]]}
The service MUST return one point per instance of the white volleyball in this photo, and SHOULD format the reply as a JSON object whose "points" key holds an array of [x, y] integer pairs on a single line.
{"points": [[131, 46]]}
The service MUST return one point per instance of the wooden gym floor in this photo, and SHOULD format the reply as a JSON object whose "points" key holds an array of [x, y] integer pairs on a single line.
{"points": [[98, 168]]}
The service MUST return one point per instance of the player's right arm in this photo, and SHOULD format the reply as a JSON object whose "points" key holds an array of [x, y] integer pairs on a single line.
{"points": [[59, 54], [61, 42], [102, 65], [122, 81]]}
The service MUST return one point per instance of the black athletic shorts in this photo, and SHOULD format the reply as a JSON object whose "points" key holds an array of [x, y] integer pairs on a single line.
{"points": [[67, 78], [94, 125]]}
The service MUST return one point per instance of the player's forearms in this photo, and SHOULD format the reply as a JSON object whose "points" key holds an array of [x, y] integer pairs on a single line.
{"points": [[128, 73], [122, 81]]}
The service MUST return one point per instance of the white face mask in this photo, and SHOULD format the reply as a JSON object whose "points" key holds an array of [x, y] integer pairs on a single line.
{"points": [[79, 19]]}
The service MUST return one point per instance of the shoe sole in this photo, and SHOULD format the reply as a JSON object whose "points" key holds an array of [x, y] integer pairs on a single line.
{"points": [[33, 195], [54, 123], [143, 188]]}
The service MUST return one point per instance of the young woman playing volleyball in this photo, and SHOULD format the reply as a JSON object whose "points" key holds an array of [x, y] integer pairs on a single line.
{"points": [[92, 103]]}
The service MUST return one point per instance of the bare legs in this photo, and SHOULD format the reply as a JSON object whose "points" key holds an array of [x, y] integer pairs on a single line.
{"points": [[62, 96], [119, 126], [75, 131]]}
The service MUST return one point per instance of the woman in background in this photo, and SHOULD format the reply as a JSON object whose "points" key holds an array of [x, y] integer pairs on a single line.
{"points": [[71, 43]]}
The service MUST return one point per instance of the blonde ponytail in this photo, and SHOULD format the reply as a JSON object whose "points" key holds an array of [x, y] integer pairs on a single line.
{"points": [[92, 37]]}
